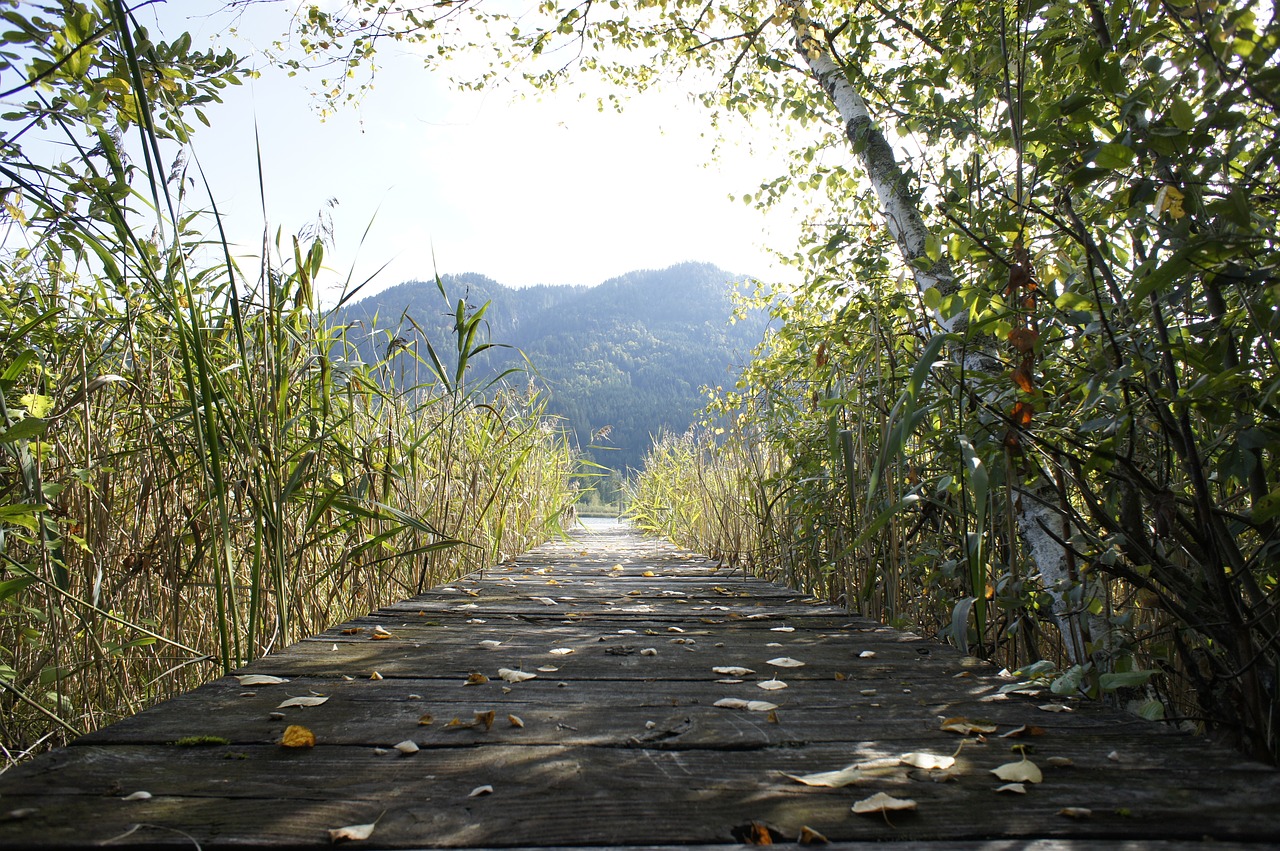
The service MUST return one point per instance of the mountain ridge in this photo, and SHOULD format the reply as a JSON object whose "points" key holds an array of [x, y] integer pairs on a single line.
{"points": [[627, 357]]}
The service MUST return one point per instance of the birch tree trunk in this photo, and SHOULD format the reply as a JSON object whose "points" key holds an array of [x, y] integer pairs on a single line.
{"points": [[1038, 510]]}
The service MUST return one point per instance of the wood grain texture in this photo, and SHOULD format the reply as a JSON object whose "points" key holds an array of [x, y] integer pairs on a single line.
{"points": [[621, 744]]}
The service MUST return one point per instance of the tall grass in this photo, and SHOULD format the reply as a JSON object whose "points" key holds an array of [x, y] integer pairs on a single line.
{"points": [[195, 468]]}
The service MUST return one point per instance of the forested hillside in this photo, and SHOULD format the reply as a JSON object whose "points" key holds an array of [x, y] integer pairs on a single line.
{"points": [[620, 362]]}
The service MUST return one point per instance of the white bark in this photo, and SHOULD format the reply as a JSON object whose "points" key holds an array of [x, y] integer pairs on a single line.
{"points": [[1037, 511]]}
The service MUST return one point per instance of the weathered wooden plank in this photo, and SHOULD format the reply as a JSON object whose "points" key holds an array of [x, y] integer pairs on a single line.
{"points": [[619, 746], [564, 795]]}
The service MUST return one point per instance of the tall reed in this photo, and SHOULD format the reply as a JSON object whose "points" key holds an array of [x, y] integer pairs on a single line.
{"points": [[197, 468]]}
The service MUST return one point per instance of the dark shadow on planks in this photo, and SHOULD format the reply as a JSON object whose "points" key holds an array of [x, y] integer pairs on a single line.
{"points": [[621, 744]]}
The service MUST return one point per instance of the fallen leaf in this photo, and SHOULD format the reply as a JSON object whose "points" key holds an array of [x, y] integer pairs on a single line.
{"points": [[1060, 761], [772, 685], [352, 630], [732, 671], [755, 833], [297, 736], [379, 632], [649, 651], [1023, 771], [809, 836], [407, 747], [560, 651], [782, 629], [484, 719], [260, 680], [964, 726], [1022, 732], [306, 700], [1054, 707], [929, 761], [513, 676], [830, 779], [1075, 812], [882, 803], [375, 676], [426, 720], [867, 654], [1016, 788], [750, 705], [548, 669], [475, 678], [515, 721], [137, 796], [648, 573], [772, 717], [480, 790], [491, 644], [546, 601], [785, 662], [352, 832]]}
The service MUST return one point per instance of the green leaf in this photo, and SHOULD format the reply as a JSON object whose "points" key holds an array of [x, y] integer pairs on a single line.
{"points": [[1114, 156], [1126, 679], [24, 429]]}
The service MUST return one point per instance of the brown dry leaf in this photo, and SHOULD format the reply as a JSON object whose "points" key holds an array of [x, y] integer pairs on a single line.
{"points": [[754, 833], [475, 678], [352, 630], [928, 761], [882, 803], [1024, 731], [380, 632], [965, 726], [841, 677], [302, 701], [772, 717], [513, 676], [1075, 812], [260, 680], [352, 832], [1023, 771], [459, 724], [426, 720], [515, 721], [809, 836], [785, 662], [484, 719], [297, 736], [829, 779], [1060, 761]]}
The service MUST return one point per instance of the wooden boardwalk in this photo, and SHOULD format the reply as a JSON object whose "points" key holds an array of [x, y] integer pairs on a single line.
{"points": [[619, 740]]}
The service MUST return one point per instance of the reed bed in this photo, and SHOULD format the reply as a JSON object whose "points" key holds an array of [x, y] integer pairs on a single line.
{"points": [[196, 466]]}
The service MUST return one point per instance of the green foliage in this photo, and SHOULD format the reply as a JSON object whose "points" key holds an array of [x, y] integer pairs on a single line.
{"points": [[196, 468]]}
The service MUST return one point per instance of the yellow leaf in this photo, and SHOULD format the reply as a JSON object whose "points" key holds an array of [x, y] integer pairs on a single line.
{"points": [[515, 721], [1169, 200], [475, 678], [426, 720], [297, 736], [809, 836]]}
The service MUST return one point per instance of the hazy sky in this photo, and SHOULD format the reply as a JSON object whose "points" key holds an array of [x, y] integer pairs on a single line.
{"points": [[525, 191]]}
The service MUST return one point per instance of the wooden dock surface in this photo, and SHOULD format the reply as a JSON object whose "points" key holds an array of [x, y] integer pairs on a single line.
{"points": [[618, 740]]}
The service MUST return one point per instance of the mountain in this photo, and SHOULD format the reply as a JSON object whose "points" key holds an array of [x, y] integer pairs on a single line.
{"points": [[622, 361]]}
